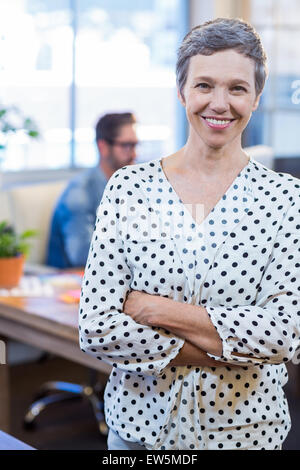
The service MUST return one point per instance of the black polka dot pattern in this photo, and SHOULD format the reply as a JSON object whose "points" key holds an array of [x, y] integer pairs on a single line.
{"points": [[241, 264]]}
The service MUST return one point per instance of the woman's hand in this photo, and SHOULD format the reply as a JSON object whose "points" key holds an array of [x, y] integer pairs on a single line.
{"points": [[190, 322], [143, 308], [153, 310]]}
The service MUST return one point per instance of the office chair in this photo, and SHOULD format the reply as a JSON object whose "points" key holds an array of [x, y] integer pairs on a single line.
{"points": [[57, 392], [31, 207]]}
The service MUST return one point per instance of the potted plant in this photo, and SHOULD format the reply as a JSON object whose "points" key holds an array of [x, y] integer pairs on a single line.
{"points": [[13, 251], [13, 121]]}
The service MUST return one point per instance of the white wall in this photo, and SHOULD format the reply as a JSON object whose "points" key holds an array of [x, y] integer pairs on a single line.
{"points": [[204, 10], [201, 11]]}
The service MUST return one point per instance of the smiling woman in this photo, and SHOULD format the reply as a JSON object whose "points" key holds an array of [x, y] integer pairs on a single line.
{"points": [[191, 289], [223, 99]]}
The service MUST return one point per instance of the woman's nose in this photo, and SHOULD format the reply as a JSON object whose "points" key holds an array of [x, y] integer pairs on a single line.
{"points": [[219, 101]]}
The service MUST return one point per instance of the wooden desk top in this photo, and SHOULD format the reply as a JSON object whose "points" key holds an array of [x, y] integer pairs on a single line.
{"points": [[43, 313], [47, 323]]}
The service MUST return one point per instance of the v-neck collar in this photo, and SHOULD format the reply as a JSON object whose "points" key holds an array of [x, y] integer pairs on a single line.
{"points": [[198, 244], [172, 190]]}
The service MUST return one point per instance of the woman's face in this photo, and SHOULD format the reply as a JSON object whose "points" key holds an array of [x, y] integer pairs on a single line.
{"points": [[219, 96]]}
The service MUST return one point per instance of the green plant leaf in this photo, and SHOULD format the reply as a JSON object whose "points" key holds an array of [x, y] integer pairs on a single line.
{"points": [[28, 234], [23, 248], [12, 244], [4, 226], [33, 134], [7, 123]]}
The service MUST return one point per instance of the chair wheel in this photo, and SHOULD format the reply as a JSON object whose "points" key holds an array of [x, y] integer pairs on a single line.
{"points": [[103, 428], [29, 425]]}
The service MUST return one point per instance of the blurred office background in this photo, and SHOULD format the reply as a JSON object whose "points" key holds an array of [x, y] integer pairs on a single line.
{"points": [[65, 62]]}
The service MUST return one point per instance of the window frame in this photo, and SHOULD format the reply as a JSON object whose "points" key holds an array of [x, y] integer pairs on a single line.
{"points": [[12, 177]]}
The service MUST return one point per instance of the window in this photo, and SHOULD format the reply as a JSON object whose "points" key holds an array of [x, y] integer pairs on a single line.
{"points": [[66, 62], [277, 120], [35, 75]]}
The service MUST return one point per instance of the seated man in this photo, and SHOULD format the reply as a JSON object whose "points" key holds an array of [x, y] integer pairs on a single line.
{"points": [[75, 213]]}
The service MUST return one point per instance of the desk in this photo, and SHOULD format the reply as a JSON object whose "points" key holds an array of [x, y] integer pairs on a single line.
{"points": [[46, 323], [8, 442]]}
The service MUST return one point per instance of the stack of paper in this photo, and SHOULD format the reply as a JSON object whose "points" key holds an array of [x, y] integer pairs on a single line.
{"points": [[30, 286]]}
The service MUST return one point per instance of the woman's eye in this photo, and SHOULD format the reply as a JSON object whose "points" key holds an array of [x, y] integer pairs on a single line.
{"points": [[239, 88], [202, 85]]}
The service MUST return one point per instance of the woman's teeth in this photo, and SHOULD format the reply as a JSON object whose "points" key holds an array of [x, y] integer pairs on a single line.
{"points": [[218, 121]]}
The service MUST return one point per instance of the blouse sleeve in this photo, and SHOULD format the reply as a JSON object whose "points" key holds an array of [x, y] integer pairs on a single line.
{"points": [[269, 331], [104, 330]]}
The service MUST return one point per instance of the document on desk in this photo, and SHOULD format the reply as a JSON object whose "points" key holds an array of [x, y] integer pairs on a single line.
{"points": [[29, 286], [65, 286]]}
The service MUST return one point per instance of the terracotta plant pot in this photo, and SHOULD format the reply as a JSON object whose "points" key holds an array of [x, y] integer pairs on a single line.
{"points": [[11, 270]]}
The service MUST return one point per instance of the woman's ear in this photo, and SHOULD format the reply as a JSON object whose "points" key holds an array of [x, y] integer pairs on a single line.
{"points": [[256, 102], [180, 97]]}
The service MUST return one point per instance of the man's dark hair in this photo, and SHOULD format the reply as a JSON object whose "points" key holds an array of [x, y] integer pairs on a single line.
{"points": [[108, 126]]}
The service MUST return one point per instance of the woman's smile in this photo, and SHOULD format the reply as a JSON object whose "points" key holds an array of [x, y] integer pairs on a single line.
{"points": [[219, 97], [217, 122]]}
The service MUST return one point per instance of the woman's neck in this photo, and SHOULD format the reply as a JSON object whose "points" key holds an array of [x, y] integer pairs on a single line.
{"points": [[208, 161]]}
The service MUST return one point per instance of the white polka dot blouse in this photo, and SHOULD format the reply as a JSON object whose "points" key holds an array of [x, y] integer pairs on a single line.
{"points": [[241, 263]]}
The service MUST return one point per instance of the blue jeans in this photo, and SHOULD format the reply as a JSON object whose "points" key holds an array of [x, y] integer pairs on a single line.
{"points": [[115, 442]]}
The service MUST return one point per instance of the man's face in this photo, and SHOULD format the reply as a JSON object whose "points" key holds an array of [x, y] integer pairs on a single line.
{"points": [[122, 150]]}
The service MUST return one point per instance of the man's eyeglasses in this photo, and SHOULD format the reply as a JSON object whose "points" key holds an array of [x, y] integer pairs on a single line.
{"points": [[125, 145]]}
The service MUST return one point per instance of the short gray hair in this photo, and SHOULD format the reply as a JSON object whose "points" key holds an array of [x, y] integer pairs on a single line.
{"points": [[217, 35]]}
